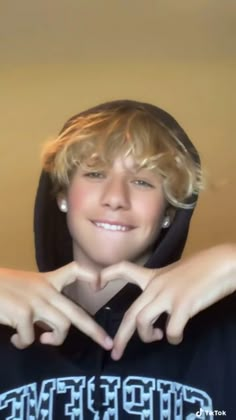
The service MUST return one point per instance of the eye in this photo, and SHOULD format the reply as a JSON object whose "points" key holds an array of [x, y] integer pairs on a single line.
{"points": [[142, 183], [95, 174]]}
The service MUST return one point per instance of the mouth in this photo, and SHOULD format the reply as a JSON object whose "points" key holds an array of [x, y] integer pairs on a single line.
{"points": [[113, 226]]}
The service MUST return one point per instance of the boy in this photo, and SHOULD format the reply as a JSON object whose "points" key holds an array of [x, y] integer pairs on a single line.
{"points": [[125, 179]]}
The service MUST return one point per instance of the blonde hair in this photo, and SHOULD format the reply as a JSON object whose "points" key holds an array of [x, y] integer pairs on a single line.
{"points": [[95, 139]]}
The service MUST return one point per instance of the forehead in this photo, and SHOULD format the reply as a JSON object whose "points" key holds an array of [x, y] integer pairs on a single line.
{"points": [[127, 163], [121, 162]]}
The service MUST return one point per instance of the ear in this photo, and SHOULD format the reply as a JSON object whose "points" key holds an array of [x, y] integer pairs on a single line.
{"points": [[62, 203]]}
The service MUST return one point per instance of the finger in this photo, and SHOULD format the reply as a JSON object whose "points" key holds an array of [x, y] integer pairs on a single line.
{"points": [[127, 326], [83, 321], [55, 337], [52, 338], [24, 336], [129, 272], [55, 323], [141, 315], [176, 324], [122, 337], [146, 319], [52, 319], [151, 334], [69, 273]]}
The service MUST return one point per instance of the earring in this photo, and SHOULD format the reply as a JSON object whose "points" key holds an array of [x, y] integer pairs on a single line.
{"points": [[63, 206], [166, 222]]}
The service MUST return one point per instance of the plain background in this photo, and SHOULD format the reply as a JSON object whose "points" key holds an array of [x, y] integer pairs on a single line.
{"points": [[60, 57]]}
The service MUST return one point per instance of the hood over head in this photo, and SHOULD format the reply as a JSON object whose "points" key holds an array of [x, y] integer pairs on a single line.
{"points": [[53, 243]]}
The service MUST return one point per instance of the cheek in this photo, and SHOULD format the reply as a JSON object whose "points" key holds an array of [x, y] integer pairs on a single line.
{"points": [[78, 198], [150, 210]]}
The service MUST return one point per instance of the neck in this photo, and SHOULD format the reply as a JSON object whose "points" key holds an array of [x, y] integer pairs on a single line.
{"points": [[82, 293]]}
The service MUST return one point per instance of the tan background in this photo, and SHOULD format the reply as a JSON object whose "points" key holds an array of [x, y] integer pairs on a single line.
{"points": [[59, 57]]}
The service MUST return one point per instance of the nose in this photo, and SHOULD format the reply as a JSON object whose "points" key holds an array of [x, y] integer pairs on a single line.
{"points": [[116, 194]]}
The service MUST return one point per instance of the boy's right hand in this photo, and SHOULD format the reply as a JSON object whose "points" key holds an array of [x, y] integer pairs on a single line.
{"points": [[30, 297]]}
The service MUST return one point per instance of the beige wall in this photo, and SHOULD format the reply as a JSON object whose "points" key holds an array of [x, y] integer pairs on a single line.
{"points": [[59, 57]]}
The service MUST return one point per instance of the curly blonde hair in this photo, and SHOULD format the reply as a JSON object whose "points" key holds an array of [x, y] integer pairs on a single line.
{"points": [[94, 140]]}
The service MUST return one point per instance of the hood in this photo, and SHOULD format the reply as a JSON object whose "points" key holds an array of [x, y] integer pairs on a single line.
{"points": [[53, 244]]}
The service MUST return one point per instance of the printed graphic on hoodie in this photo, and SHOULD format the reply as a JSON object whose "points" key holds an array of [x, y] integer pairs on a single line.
{"points": [[133, 397]]}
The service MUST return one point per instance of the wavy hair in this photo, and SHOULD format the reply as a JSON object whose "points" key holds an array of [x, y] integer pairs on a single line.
{"points": [[94, 140]]}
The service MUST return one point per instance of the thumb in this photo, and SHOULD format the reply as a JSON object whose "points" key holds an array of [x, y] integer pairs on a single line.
{"points": [[69, 273], [128, 272]]}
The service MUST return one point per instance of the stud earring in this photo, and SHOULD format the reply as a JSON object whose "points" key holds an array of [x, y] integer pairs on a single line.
{"points": [[63, 206], [166, 222]]}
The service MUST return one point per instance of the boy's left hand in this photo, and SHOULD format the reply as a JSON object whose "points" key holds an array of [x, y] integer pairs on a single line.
{"points": [[181, 289]]}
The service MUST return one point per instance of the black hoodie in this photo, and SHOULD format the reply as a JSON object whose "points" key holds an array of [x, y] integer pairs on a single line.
{"points": [[79, 380]]}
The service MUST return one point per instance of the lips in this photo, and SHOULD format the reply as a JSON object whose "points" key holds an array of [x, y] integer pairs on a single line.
{"points": [[112, 226]]}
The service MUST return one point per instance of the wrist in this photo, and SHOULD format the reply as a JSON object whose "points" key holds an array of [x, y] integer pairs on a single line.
{"points": [[227, 261]]}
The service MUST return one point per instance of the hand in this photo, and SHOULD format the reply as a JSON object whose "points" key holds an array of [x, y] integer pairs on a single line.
{"points": [[182, 290], [29, 297]]}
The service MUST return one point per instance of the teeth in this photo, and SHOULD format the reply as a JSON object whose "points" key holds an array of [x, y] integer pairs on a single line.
{"points": [[107, 226]]}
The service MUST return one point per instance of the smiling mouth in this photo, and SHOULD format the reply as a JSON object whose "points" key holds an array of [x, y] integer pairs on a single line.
{"points": [[113, 227]]}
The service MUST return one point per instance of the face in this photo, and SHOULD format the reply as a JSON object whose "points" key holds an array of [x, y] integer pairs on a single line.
{"points": [[114, 214]]}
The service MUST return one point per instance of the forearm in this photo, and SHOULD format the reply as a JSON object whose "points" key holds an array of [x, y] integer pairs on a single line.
{"points": [[226, 259]]}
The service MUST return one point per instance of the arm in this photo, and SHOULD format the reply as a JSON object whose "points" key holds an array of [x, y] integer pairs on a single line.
{"points": [[29, 297], [182, 289]]}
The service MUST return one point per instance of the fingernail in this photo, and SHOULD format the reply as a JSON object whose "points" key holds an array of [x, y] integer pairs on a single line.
{"points": [[160, 335], [115, 355], [108, 343]]}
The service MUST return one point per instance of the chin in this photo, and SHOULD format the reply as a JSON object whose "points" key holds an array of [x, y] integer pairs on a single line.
{"points": [[108, 260]]}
